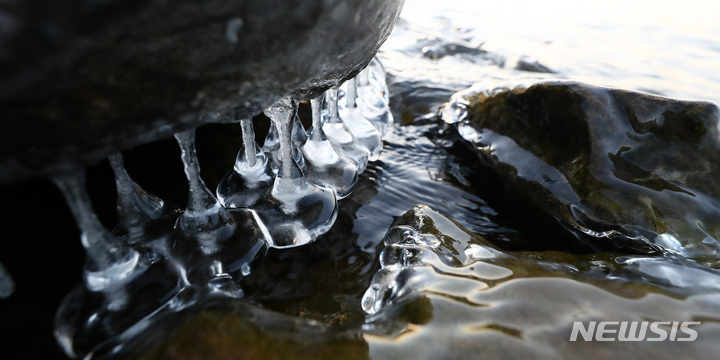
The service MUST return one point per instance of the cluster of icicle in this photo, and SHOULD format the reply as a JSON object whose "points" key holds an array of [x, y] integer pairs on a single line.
{"points": [[161, 260]]}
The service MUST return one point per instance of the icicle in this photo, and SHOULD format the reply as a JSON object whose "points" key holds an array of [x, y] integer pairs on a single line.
{"points": [[297, 211], [110, 264], [339, 135], [299, 134], [250, 177], [272, 144], [204, 217], [376, 77], [7, 285], [137, 209], [372, 98], [316, 132], [325, 165], [299, 137], [290, 180], [124, 288], [248, 136], [365, 133], [216, 245]]}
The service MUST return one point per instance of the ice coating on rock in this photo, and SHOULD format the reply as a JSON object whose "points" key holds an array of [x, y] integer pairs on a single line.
{"points": [[250, 178], [340, 136], [325, 165], [137, 209], [366, 134], [7, 285], [296, 211]]}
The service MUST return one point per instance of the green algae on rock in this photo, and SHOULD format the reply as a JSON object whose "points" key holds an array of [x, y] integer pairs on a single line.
{"points": [[626, 171]]}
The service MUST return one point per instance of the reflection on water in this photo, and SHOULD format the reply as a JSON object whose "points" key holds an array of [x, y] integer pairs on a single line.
{"points": [[523, 304], [501, 289], [663, 47]]}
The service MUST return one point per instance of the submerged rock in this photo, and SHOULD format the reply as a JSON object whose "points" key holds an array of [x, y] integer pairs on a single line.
{"points": [[242, 331], [625, 170]]}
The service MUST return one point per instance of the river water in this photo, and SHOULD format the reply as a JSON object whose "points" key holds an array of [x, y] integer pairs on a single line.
{"points": [[660, 47], [509, 310]]}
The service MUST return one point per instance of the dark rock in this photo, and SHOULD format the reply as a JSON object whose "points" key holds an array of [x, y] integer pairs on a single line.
{"points": [[80, 79], [630, 170], [527, 64], [439, 51], [240, 330]]}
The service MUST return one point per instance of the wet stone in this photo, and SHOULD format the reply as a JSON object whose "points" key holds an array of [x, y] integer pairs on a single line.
{"points": [[625, 171]]}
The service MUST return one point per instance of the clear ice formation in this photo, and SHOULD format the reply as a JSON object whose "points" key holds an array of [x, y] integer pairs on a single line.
{"points": [[250, 178], [325, 165], [142, 217], [7, 285], [216, 246], [297, 211], [272, 144], [366, 134], [110, 263], [121, 287], [340, 136], [160, 260], [372, 98]]}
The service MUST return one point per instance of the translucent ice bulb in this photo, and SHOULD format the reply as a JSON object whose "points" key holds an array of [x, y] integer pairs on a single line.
{"points": [[325, 165], [216, 245], [204, 218], [251, 176], [296, 212], [340, 136], [110, 263]]}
